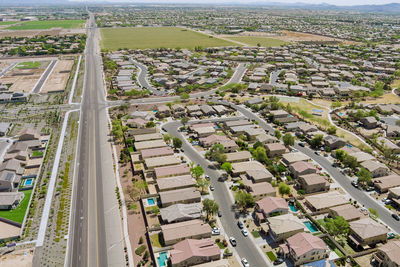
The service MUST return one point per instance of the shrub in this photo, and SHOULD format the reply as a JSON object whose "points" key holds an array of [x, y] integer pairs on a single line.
{"points": [[139, 251]]}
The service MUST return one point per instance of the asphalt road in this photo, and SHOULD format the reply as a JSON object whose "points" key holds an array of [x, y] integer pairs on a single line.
{"points": [[245, 246], [44, 77], [142, 78]]}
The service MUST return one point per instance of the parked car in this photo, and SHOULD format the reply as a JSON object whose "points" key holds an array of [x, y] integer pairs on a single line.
{"points": [[233, 241], [395, 216], [219, 213], [302, 144], [240, 224], [245, 262], [244, 232], [278, 261], [316, 153], [370, 188], [212, 188], [207, 177], [216, 231], [354, 183]]}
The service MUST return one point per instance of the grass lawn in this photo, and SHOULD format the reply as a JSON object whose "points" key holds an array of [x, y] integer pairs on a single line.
{"points": [[29, 65], [254, 41], [155, 240], [47, 24], [255, 234], [156, 37], [18, 214], [333, 247], [271, 256], [36, 153]]}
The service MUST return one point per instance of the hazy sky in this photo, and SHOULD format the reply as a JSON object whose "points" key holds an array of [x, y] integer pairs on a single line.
{"points": [[333, 2]]}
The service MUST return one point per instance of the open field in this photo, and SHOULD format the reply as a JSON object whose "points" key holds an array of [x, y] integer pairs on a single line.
{"points": [[47, 24], [155, 37], [59, 77], [23, 80], [254, 41], [8, 22], [20, 258], [29, 65], [8, 230], [18, 214]]}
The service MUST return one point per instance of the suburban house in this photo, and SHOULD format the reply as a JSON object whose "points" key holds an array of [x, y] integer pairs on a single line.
{"points": [[334, 142], [324, 201], [388, 255], [156, 152], [303, 248], [181, 212], [191, 252], [175, 182], [270, 206], [238, 156], [302, 168], [284, 226], [292, 157], [175, 232], [347, 211], [4, 128], [313, 183], [9, 200], [155, 162], [259, 190], [148, 137], [184, 196], [367, 232], [376, 168], [259, 176], [275, 149], [265, 138], [369, 122], [174, 170], [149, 144], [383, 184], [239, 168], [9, 180]]}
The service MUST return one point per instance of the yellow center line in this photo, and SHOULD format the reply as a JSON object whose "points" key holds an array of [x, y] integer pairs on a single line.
{"points": [[88, 218]]}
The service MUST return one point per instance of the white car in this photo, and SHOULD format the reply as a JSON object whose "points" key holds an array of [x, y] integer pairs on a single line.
{"points": [[245, 262], [244, 232], [216, 231]]}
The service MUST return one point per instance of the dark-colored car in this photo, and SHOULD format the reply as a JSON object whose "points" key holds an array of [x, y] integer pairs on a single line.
{"points": [[354, 183], [240, 224], [219, 213], [278, 261], [316, 153], [302, 144], [396, 217]]}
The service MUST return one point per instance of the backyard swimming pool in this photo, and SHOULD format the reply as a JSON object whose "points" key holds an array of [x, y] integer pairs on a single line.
{"points": [[162, 259], [311, 227], [292, 208], [28, 182], [151, 201]]}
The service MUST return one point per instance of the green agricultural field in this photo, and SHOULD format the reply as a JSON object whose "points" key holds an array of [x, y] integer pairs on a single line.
{"points": [[254, 41], [29, 65], [156, 37], [17, 214], [47, 24], [8, 22]]}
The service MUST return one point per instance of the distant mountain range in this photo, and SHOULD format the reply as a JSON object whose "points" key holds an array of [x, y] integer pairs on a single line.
{"points": [[383, 8]]}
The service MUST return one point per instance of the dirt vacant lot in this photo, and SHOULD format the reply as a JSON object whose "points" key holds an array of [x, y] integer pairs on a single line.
{"points": [[59, 77], [18, 258], [23, 80], [289, 36]]}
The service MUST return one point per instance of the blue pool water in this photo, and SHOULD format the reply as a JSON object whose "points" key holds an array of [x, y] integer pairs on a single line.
{"points": [[150, 201], [311, 227], [317, 110], [292, 208], [162, 259], [340, 113], [28, 182]]}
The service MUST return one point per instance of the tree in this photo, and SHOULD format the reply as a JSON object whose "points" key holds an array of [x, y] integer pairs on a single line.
{"points": [[374, 212], [337, 226], [150, 124], [278, 134], [288, 139], [184, 120], [184, 96], [364, 176], [210, 207], [340, 154], [332, 130], [260, 154], [257, 144], [136, 189], [398, 122], [244, 200], [226, 166], [350, 161], [284, 189], [316, 141], [167, 138], [177, 143], [336, 104], [202, 184], [217, 153], [197, 171]]}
